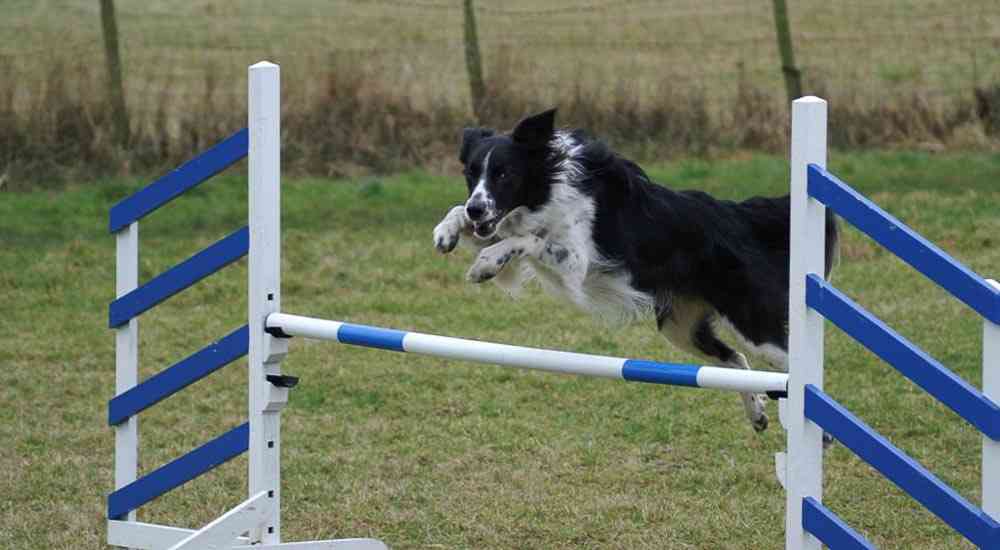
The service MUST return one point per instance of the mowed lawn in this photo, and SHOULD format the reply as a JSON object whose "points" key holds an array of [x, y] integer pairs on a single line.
{"points": [[423, 456]]}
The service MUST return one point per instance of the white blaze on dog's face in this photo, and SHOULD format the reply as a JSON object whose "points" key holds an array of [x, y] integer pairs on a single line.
{"points": [[504, 171], [481, 207]]}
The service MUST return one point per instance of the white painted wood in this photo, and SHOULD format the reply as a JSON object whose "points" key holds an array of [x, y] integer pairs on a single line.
{"points": [[266, 351], [127, 358], [804, 459], [513, 356], [306, 327], [991, 388], [781, 467], [149, 536], [781, 457], [222, 533], [783, 413], [339, 544], [755, 381]]}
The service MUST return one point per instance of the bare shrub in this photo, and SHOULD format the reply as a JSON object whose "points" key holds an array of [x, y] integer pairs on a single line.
{"points": [[61, 131], [348, 118], [758, 121]]}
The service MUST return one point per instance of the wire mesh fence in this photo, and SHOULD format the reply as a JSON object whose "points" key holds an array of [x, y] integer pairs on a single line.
{"points": [[637, 57]]}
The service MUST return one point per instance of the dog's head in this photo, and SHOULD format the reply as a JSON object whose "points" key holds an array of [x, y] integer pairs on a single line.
{"points": [[505, 171]]}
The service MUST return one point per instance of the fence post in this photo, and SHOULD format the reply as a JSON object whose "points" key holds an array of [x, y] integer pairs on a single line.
{"points": [[793, 77], [991, 388], [473, 61], [116, 87], [266, 352], [804, 462]]}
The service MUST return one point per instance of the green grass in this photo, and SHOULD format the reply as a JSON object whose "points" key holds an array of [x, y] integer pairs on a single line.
{"points": [[390, 445]]}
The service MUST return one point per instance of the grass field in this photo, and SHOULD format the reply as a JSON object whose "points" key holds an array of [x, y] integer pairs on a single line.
{"points": [[394, 446]]}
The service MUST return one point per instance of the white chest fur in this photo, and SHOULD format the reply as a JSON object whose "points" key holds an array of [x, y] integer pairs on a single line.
{"points": [[569, 264]]}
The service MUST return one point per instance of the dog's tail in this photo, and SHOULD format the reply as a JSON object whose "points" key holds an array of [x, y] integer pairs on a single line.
{"points": [[832, 241]]}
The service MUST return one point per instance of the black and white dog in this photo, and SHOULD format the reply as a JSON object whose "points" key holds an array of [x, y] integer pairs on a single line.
{"points": [[591, 227]]}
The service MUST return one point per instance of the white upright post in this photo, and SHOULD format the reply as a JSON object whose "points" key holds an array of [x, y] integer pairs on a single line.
{"points": [[991, 388], [266, 352], [804, 463], [127, 358]]}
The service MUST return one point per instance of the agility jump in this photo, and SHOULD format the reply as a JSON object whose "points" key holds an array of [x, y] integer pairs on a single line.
{"points": [[805, 411]]}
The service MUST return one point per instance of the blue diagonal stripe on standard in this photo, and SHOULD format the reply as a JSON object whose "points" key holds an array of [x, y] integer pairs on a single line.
{"points": [[904, 356], [902, 470], [179, 277], [830, 529], [178, 472], [905, 243], [187, 176], [179, 376]]}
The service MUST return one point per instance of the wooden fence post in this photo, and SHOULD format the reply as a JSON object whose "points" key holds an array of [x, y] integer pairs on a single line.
{"points": [[116, 89], [793, 76], [473, 61]]}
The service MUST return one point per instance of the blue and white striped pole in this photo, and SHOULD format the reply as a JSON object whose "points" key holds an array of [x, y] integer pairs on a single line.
{"points": [[633, 370]]}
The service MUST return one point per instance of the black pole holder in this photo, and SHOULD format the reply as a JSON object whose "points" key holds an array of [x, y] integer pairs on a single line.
{"points": [[283, 380]]}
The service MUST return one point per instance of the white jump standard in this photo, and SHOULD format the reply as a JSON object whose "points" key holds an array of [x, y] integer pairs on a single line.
{"points": [[806, 413], [256, 522]]}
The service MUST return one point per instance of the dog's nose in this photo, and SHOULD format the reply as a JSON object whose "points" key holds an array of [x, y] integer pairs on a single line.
{"points": [[475, 209]]}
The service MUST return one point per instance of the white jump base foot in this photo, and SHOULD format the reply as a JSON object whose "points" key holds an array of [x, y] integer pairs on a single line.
{"points": [[149, 536]]}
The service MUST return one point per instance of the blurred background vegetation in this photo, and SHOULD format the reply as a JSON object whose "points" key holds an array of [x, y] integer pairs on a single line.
{"points": [[384, 85]]}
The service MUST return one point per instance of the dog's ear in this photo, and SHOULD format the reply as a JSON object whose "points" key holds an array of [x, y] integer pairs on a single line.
{"points": [[470, 137], [536, 130]]}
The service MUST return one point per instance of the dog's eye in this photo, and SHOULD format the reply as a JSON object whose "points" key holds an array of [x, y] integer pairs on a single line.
{"points": [[501, 174]]}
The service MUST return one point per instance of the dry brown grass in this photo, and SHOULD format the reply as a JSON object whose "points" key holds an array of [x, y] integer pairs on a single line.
{"points": [[380, 85]]}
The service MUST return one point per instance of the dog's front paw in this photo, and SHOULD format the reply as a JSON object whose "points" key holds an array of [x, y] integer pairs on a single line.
{"points": [[447, 233], [445, 240], [491, 261]]}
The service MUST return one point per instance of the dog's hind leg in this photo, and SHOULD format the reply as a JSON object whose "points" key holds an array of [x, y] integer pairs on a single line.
{"points": [[753, 403], [688, 324]]}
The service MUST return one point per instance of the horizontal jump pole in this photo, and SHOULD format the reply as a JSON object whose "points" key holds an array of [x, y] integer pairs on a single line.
{"points": [[633, 370]]}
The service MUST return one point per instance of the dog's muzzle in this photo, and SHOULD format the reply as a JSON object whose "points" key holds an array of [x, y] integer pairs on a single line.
{"points": [[486, 229], [483, 217]]}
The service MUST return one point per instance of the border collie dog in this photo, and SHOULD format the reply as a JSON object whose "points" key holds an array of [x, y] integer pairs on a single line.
{"points": [[590, 226]]}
